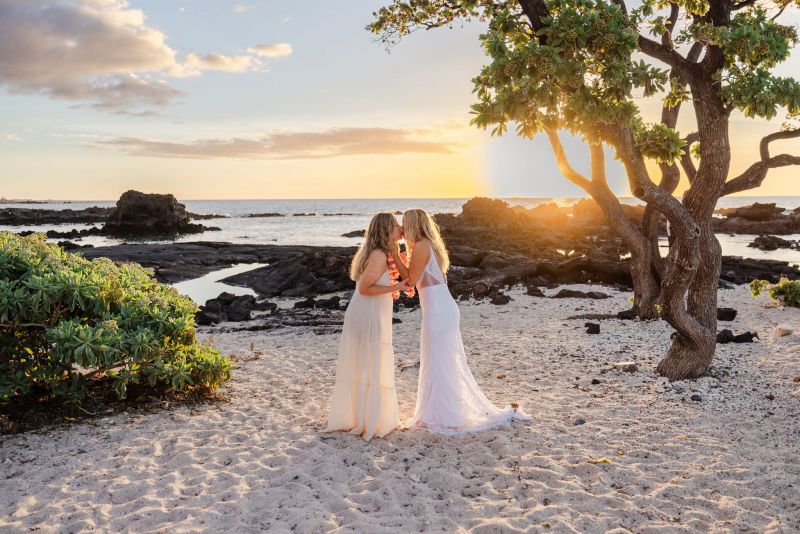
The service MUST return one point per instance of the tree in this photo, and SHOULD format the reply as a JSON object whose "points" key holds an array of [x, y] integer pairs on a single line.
{"points": [[576, 65]]}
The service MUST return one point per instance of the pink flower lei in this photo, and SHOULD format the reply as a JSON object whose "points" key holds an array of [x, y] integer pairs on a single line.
{"points": [[394, 275]]}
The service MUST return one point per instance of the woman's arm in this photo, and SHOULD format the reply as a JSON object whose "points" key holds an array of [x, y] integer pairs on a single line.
{"points": [[401, 261], [376, 266], [422, 251]]}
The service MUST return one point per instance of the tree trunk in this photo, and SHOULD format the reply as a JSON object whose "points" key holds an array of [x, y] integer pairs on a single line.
{"points": [[693, 263], [645, 284]]}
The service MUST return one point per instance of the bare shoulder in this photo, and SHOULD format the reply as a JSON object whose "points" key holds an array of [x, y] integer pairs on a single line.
{"points": [[422, 248], [424, 244], [377, 259], [377, 255]]}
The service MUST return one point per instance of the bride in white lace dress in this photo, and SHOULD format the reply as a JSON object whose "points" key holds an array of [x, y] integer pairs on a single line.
{"points": [[449, 400]]}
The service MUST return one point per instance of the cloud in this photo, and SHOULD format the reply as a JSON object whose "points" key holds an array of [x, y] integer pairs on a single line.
{"points": [[274, 50], [220, 62], [241, 8], [98, 52], [84, 50], [10, 137], [330, 143]]}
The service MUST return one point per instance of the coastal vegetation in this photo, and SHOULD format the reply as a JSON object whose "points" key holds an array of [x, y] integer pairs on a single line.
{"points": [[66, 321]]}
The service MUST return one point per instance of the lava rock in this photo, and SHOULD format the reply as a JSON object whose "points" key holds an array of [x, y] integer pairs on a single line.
{"points": [[535, 291], [592, 328], [626, 315], [726, 314], [771, 242], [500, 299], [570, 294], [305, 304], [332, 303], [355, 233], [725, 336], [142, 214], [696, 398], [746, 337], [240, 309]]}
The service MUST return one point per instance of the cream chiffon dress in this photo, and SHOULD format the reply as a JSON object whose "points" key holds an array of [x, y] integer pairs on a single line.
{"points": [[364, 400]]}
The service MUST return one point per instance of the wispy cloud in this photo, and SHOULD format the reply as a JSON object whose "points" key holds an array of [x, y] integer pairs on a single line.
{"points": [[241, 8], [220, 62], [274, 50], [335, 142], [10, 137], [98, 52]]}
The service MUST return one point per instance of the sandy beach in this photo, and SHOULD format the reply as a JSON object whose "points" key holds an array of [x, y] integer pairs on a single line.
{"points": [[606, 451]]}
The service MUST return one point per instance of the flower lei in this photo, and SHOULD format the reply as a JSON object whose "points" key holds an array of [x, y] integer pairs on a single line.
{"points": [[394, 275]]}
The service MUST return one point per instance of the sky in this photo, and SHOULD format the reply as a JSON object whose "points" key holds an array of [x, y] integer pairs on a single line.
{"points": [[267, 99]]}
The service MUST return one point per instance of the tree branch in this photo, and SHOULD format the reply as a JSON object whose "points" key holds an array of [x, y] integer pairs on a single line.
{"points": [[535, 10], [686, 159], [742, 5], [563, 164], [666, 37], [757, 172]]}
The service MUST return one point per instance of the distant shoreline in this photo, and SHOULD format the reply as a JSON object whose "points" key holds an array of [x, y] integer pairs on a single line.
{"points": [[83, 201]]}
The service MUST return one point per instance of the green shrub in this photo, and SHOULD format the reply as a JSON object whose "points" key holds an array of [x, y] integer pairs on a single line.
{"points": [[65, 320], [786, 291]]}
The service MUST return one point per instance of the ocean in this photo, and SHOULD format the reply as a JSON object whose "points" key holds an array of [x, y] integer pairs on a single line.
{"points": [[322, 222]]}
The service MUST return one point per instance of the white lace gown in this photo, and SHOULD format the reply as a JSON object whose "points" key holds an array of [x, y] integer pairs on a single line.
{"points": [[364, 400], [449, 401]]}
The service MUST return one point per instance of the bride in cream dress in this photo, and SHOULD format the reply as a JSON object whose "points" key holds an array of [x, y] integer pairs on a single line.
{"points": [[364, 400]]}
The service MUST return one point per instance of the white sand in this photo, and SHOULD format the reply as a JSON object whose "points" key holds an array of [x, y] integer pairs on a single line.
{"points": [[728, 463]]}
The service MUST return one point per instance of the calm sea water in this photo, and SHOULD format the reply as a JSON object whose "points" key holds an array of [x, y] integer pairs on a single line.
{"points": [[330, 219]]}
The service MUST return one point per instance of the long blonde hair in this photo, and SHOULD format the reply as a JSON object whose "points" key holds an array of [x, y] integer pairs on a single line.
{"points": [[417, 224], [378, 237]]}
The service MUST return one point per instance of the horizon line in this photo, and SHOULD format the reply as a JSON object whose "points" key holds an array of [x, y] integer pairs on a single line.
{"points": [[512, 197]]}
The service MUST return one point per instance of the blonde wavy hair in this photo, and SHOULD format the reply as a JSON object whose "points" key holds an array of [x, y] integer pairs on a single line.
{"points": [[417, 224], [378, 237]]}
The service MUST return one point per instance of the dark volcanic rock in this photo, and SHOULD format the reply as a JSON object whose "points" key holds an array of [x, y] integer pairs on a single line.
{"points": [[229, 307], [570, 294], [263, 215], [738, 270], [140, 214], [535, 291], [592, 328], [724, 336], [240, 309], [31, 217], [726, 314], [754, 212], [746, 337], [500, 299], [757, 219], [355, 233], [300, 272], [465, 256], [177, 262], [771, 242]]}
